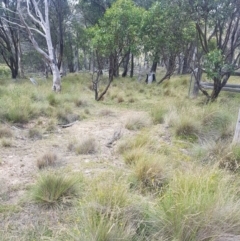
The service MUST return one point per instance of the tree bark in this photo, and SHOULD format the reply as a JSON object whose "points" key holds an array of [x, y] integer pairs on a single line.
{"points": [[125, 64], [132, 66], [154, 67], [43, 21]]}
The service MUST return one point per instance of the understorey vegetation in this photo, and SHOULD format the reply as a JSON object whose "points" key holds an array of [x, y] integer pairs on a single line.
{"points": [[172, 165]]}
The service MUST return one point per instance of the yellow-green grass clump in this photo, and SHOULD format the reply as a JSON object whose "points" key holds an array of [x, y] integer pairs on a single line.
{"points": [[137, 122], [200, 199], [55, 189], [84, 147]]}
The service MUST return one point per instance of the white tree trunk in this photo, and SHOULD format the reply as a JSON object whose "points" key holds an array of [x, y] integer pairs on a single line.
{"points": [[42, 20], [56, 78]]}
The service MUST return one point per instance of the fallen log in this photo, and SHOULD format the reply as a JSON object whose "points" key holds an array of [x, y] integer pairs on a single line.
{"points": [[227, 85], [229, 89], [67, 125]]}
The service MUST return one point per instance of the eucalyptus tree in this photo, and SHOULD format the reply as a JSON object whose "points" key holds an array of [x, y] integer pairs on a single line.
{"points": [[166, 30], [9, 36], [116, 34], [218, 29], [59, 15], [31, 11]]}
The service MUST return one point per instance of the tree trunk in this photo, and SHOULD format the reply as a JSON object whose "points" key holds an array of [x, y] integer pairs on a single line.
{"points": [[154, 67], [170, 68], [20, 66], [56, 78], [132, 66], [125, 64]]}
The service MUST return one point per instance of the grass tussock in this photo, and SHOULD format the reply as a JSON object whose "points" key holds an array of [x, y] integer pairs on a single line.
{"points": [[54, 189], [197, 199], [137, 122], [231, 160], [49, 159], [6, 143], [149, 174], [35, 134], [158, 115], [186, 129], [66, 116], [84, 147], [5, 132]]}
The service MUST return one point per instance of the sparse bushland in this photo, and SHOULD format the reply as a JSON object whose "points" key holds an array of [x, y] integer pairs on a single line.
{"points": [[170, 187], [55, 189]]}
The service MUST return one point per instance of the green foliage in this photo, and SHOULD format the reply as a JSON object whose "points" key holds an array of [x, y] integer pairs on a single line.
{"points": [[166, 28], [118, 30], [214, 63]]}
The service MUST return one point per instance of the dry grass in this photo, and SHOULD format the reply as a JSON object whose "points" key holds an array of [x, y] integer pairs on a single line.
{"points": [[5, 132], [35, 134], [137, 122], [49, 159], [54, 189], [6, 143], [84, 147], [149, 174]]}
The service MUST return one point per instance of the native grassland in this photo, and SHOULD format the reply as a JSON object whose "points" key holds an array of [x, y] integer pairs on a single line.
{"points": [[171, 174]]}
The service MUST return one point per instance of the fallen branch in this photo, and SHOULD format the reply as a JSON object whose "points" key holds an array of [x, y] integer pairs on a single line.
{"points": [[67, 125]]}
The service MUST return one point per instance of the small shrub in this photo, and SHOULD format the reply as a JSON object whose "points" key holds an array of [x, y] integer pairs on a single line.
{"points": [[87, 146], [5, 132], [137, 122], [34, 134], [54, 189], [47, 160]]}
